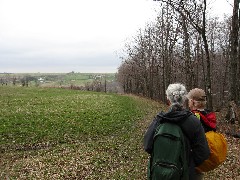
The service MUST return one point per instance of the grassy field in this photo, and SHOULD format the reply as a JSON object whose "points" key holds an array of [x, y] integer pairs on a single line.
{"points": [[67, 134], [56, 79], [48, 133]]}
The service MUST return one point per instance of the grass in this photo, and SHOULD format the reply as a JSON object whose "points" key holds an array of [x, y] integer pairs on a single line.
{"points": [[31, 115], [66, 134]]}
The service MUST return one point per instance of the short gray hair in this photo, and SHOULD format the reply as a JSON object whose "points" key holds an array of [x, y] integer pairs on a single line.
{"points": [[176, 93]]}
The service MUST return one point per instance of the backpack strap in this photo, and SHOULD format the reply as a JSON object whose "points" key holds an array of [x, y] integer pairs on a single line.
{"points": [[148, 137], [156, 122]]}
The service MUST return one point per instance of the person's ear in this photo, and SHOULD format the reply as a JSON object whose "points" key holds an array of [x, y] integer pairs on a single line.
{"points": [[193, 102]]}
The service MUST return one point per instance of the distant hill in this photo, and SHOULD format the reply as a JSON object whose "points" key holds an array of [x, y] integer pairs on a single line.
{"points": [[72, 79]]}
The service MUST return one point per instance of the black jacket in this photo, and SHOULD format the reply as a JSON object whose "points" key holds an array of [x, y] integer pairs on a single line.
{"points": [[196, 141]]}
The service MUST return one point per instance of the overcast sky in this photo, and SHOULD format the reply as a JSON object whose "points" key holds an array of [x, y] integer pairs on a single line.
{"points": [[72, 35]]}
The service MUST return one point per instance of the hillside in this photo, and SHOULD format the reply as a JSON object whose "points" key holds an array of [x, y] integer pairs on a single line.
{"points": [[65, 134], [61, 134]]}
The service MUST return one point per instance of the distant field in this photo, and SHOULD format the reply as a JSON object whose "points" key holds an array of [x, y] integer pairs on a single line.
{"points": [[57, 79], [65, 134]]}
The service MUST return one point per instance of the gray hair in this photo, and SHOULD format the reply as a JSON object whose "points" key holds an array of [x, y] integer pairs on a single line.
{"points": [[176, 94]]}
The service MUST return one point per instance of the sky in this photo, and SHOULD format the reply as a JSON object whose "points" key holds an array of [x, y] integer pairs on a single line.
{"points": [[60, 36]]}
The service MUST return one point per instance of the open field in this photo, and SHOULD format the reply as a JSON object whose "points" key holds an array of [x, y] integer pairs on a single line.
{"points": [[67, 134], [56, 79], [64, 134]]}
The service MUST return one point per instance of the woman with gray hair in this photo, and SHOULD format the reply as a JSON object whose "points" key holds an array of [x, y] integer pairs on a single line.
{"points": [[197, 149], [176, 94]]}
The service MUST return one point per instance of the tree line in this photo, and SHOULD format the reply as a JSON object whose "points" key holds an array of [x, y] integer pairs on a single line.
{"points": [[184, 44]]}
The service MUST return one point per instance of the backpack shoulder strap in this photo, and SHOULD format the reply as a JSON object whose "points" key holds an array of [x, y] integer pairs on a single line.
{"points": [[148, 137]]}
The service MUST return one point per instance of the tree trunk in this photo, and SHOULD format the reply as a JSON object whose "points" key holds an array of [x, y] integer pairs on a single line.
{"points": [[234, 52], [187, 52], [208, 76]]}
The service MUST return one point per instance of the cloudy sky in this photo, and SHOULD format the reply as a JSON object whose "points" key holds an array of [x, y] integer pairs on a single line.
{"points": [[71, 35]]}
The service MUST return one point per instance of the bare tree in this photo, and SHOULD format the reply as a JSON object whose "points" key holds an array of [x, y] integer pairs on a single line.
{"points": [[178, 47], [195, 13]]}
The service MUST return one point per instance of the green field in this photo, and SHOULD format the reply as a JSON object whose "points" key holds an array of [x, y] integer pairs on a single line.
{"points": [[56, 79], [67, 134]]}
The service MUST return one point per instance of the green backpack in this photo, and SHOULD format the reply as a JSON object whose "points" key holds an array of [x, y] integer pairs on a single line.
{"points": [[168, 158]]}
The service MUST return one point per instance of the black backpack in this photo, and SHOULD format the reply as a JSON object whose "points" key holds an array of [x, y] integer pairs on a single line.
{"points": [[168, 159]]}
